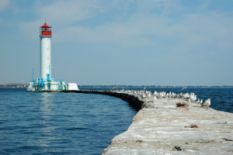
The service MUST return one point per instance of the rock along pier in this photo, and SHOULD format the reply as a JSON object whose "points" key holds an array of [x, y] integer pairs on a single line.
{"points": [[169, 123]]}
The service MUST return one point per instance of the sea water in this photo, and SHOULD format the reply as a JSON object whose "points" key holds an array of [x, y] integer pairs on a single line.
{"points": [[59, 123], [79, 124]]}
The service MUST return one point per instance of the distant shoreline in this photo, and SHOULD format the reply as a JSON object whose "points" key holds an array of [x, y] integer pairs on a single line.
{"points": [[13, 85], [94, 87]]}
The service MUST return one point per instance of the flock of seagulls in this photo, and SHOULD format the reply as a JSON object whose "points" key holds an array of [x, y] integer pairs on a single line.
{"points": [[144, 95]]}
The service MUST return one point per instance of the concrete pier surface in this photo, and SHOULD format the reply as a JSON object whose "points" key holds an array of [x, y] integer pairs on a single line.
{"points": [[169, 123]]}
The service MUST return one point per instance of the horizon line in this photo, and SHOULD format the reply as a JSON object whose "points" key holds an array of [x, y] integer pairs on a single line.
{"points": [[133, 85]]}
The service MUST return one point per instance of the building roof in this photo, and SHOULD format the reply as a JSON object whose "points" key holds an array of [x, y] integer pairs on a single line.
{"points": [[45, 25]]}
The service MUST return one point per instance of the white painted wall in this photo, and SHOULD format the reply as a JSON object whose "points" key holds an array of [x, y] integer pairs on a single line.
{"points": [[72, 86], [45, 58]]}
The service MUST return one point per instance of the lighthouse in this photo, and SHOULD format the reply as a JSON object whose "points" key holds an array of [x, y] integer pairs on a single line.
{"points": [[45, 52], [45, 82]]}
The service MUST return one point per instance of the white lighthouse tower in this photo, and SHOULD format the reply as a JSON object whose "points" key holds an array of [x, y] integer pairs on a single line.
{"points": [[45, 52], [45, 82]]}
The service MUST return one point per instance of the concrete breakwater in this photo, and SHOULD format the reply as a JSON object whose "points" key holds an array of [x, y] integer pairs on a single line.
{"points": [[169, 123], [135, 102]]}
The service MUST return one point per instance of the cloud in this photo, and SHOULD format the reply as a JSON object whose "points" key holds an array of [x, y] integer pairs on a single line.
{"points": [[68, 12], [135, 23], [4, 4], [191, 31]]}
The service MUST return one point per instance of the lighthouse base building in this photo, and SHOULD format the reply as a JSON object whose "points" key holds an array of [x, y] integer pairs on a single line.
{"points": [[45, 82], [52, 86]]}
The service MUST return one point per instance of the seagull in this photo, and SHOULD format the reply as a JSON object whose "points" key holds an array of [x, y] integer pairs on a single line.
{"points": [[207, 103]]}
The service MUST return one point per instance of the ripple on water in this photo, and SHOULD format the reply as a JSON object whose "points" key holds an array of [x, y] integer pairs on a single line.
{"points": [[57, 123]]}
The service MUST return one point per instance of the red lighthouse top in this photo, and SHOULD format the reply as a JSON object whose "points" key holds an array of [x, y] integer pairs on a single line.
{"points": [[45, 30]]}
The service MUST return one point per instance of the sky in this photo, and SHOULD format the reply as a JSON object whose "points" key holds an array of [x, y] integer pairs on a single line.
{"points": [[128, 42]]}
